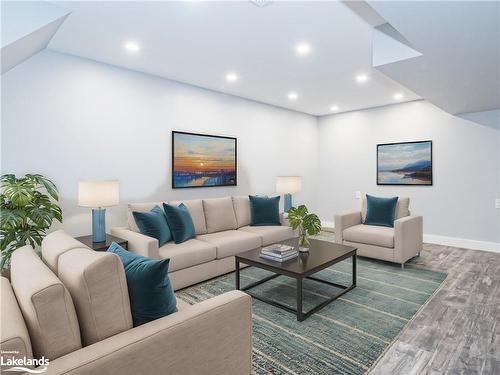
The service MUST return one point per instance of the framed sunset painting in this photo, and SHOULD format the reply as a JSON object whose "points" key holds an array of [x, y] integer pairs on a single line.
{"points": [[407, 163], [201, 160]]}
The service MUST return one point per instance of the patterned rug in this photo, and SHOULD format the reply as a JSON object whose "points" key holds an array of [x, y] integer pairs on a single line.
{"points": [[348, 335]]}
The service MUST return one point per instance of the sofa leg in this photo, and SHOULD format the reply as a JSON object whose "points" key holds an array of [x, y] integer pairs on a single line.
{"points": [[402, 266]]}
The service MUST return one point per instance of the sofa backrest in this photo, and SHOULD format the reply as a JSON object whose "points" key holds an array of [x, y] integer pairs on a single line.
{"points": [[209, 215], [54, 245], [46, 305], [14, 338], [402, 208], [219, 214], [241, 206], [97, 283]]}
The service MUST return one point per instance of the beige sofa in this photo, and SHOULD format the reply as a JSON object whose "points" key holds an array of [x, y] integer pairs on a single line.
{"points": [[73, 309], [398, 244], [223, 230]]}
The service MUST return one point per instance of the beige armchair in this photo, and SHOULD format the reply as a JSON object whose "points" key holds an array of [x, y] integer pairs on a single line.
{"points": [[398, 244]]}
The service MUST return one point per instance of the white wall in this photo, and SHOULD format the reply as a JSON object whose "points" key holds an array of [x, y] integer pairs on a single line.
{"points": [[73, 119], [466, 162]]}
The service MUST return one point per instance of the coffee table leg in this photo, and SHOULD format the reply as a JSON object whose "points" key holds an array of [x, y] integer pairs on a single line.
{"points": [[354, 270], [237, 276], [300, 315]]}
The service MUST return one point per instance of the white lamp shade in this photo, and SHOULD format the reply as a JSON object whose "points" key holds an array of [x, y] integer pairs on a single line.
{"points": [[288, 184], [98, 193]]}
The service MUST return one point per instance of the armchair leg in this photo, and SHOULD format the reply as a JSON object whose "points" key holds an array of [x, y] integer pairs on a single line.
{"points": [[402, 266]]}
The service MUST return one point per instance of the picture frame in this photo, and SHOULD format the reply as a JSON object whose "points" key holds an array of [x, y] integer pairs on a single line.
{"points": [[203, 160], [405, 163]]}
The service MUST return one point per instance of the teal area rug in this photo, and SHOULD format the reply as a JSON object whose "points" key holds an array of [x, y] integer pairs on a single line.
{"points": [[347, 336]]}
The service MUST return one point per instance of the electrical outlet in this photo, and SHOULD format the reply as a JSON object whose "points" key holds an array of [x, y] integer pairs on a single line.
{"points": [[497, 203], [358, 195]]}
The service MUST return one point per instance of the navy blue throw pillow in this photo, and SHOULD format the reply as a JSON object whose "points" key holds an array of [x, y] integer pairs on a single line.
{"points": [[264, 210], [149, 289], [180, 222], [153, 224], [380, 211]]}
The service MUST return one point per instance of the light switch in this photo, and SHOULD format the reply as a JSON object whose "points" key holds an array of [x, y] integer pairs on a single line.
{"points": [[497, 203], [358, 195]]}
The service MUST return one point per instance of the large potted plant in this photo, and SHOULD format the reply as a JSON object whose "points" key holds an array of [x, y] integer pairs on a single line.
{"points": [[27, 210], [307, 223]]}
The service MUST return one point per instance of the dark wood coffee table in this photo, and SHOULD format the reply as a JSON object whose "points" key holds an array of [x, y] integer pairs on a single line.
{"points": [[322, 254]]}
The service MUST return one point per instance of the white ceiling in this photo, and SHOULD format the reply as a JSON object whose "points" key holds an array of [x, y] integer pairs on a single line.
{"points": [[199, 42], [459, 69]]}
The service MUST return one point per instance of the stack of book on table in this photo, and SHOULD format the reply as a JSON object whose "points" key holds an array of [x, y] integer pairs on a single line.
{"points": [[279, 252]]}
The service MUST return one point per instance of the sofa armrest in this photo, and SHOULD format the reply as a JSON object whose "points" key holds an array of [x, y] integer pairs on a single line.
{"points": [[345, 221], [211, 337], [138, 243], [408, 237], [284, 219]]}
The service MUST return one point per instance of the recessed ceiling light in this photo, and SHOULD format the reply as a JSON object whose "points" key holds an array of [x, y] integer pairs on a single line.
{"points": [[334, 108], [293, 95], [398, 96], [303, 49], [361, 78], [132, 46], [231, 77]]}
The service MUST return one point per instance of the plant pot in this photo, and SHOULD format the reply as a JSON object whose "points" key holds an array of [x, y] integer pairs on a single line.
{"points": [[304, 243]]}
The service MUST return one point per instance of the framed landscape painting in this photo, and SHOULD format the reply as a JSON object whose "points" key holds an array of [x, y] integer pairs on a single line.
{"points": [[200, 160], [407, 163]]}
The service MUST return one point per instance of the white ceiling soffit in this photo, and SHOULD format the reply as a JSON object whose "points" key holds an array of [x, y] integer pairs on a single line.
{"points": [[459, 69], [200, 42], [487, 118], [27, 28]]}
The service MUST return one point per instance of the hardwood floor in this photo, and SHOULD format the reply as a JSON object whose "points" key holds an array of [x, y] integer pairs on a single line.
{"points": [[458, 331]]}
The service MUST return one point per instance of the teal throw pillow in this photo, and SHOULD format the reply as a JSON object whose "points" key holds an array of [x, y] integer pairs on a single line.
{"points": [[153, 224], [180, 222], [264, 210], [380, 211], [149, 288]]}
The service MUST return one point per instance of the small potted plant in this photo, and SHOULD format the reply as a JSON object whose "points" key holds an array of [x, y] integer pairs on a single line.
{"points": [[308, 224], [27, 209]]}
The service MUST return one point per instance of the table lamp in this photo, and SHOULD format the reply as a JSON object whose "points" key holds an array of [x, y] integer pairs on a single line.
{"points": [[288, 185], [98, 194]]}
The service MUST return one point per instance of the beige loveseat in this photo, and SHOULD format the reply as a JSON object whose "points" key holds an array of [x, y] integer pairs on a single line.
{"points": [[223, 230], [73, 309], [398, 244]]}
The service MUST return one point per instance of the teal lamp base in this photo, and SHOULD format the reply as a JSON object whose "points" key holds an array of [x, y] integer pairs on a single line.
{"points": [[98, 225], [288, 202]]}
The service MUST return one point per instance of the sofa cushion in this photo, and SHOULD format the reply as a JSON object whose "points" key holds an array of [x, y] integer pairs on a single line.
{"points": [[270, 234], [187, 254], [380, 211], [46, 305], [195, 207], [180, 222], [219, 214], [154, 224], [55, 244], [370, 234], [402, 208], [14, 338], [241, 205], [138, 207], [97, 284], [149, 288], [231, 242], [264, 210]]}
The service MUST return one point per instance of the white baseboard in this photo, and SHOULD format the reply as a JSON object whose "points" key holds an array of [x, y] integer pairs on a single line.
{"points": [[461, 242]]}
